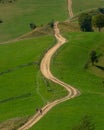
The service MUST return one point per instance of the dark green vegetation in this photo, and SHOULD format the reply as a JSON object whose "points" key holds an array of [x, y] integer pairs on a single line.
{"points": [[24, 89], [17, 16], [98, 21], [69, 66], [85, 22]]}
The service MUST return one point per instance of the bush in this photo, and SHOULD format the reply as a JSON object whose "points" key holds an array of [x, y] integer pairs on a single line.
{"points": [[32, 26], [51, 24], [101, 10], [1, 21]]}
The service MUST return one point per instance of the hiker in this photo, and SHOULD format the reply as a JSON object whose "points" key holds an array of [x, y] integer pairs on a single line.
{"points": [[40, 111]]}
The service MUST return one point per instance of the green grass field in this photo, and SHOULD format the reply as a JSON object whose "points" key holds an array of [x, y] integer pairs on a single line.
{"points": [[81, 5], [16, 17], [68, 65], [24, 88]]}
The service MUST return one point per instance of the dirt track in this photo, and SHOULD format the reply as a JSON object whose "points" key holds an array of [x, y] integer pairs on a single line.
{"points": [[45, 69], [70, 8]]}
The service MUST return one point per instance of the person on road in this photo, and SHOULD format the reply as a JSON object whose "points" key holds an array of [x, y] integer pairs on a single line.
{"points": [[41, 111]]}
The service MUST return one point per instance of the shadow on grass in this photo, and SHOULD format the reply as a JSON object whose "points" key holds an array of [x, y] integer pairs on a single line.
{"points": [[14, 98], [100, 67], [18, 67]]}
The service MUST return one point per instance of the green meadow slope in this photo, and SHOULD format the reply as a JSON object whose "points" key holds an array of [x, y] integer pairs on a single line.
{"points": [[68, 65], [81, 5], [22, 86], [17, 16]]}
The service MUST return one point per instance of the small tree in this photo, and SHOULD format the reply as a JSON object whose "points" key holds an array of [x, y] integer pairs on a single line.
{"points": [[51, 24], [1, 21], [85, 22], [93, 57], [32, 26], [98, 21], [101, 10]]}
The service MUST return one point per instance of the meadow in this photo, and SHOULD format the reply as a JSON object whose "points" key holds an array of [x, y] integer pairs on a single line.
{"points": [[22, 86], [69, 66], [17, 16], [80, 5]]}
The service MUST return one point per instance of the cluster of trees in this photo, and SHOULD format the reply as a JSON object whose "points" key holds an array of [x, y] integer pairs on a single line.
{"points": [[87, 21]]}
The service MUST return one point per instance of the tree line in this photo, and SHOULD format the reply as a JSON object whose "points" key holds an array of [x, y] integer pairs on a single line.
{"points": [[87, 21]]}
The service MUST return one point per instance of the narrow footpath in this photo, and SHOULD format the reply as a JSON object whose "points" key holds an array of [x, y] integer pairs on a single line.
{"points": [[70, 11], [45, 69]]}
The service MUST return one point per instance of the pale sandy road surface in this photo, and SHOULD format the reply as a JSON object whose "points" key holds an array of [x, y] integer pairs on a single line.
{"points": [[70, 8], [45, 69]]}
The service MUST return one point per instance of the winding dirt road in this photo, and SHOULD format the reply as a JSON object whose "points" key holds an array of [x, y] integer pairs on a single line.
{"points": [[45, 69], [70, 8]]}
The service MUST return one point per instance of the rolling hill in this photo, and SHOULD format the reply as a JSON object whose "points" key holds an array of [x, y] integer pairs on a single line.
{"points": [[69, 66], [17, 16], [22, 86]]}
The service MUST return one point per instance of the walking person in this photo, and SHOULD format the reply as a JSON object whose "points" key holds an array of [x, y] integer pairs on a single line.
{"points": [[41, 111]]}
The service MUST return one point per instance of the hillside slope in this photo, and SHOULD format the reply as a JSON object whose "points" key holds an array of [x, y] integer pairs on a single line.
{"points": [[17, 16], [68, 65]]}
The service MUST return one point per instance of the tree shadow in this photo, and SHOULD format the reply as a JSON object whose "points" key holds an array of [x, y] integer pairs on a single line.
{"points": [[18, 67], [100, 67]]}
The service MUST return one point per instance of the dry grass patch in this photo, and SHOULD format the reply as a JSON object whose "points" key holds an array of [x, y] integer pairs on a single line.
{"points": [[13, 124], [69, 27]]}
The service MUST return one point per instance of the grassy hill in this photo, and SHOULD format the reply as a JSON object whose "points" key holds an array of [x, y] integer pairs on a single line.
{"points": [[69, 66], [22, 86], [17, 16], [81, 5]]}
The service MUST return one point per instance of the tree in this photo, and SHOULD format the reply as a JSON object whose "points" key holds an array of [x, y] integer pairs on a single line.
{"points": [[1, 21], [101, 10], [98, 21], [85, 22], [93, 57], [32, 26], [51, 24]]}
